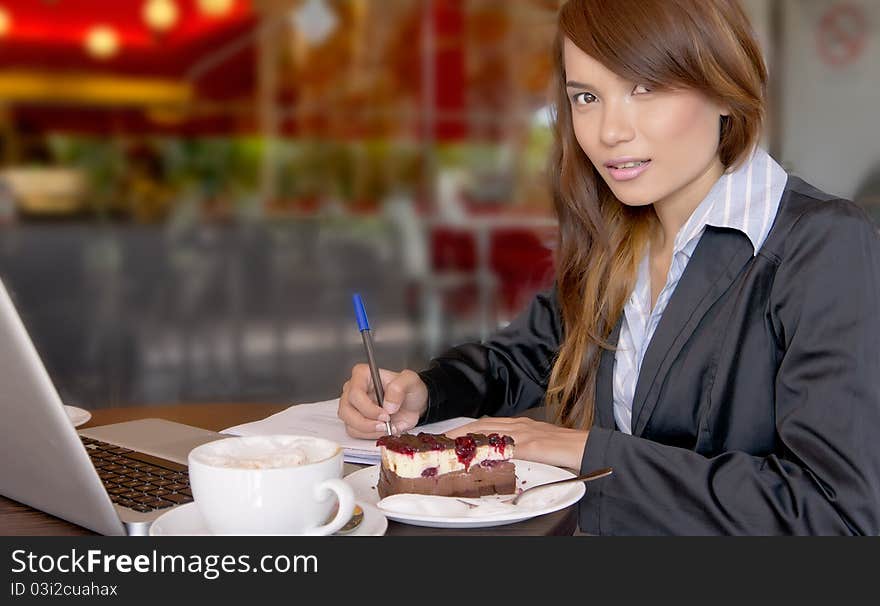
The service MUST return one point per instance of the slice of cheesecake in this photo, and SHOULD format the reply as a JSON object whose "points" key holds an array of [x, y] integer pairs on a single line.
{"points": [[470, 466]]}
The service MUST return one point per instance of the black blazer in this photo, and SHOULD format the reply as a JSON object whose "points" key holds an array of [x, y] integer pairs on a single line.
{"points": [[757, 408]]}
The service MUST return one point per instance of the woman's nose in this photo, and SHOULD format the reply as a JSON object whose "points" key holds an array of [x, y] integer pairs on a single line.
{"points": [[616, 126]]}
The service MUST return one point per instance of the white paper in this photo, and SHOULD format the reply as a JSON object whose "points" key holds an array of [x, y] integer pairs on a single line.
{"points": [[319, 419]]}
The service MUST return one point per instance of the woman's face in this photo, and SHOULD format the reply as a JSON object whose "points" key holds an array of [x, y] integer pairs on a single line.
{"points": [[649, 146]]}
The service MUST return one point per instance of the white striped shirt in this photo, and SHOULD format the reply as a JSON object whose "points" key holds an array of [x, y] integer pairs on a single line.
{"points": [[747, 200]]}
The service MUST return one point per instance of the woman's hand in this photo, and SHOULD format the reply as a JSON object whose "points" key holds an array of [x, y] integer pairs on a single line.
{"points": [[406, 398], [534, 440]]}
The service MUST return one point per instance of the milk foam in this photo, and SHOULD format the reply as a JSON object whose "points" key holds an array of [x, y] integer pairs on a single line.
{"points": [[291, 458], [264, 452]]}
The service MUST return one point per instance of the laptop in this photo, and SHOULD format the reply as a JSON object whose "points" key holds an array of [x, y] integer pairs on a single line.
{"points": [[113, 479]]}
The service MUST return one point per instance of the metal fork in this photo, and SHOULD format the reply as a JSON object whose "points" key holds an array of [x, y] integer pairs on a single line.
{"points": [[593, 475]]}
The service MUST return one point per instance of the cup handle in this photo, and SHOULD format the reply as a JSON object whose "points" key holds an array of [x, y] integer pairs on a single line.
{"points": [[345, 496]]}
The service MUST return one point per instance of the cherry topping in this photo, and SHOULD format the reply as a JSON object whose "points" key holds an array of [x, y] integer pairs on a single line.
{"points": [[430, 440], [395, 444], [497, 442], [465, 449]]}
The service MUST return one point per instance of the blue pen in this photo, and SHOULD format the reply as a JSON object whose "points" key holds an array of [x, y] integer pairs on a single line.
{"points": [[367, 336]]}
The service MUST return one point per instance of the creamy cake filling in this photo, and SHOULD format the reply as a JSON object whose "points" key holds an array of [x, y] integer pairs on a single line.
{"points": [[427, 455]]}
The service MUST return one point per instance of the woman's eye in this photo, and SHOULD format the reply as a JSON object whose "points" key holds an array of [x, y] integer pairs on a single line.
{"points": [[584, 98], [641, 89]]}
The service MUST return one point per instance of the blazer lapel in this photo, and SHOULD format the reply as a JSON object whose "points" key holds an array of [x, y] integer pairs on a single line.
{"points": [[718, 259], [605, 382]]}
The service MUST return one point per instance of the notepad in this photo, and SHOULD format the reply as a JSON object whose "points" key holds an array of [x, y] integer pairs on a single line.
{"points": [[319, 419]]}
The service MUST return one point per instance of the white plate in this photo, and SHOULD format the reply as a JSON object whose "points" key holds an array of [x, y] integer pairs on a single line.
{"points": [[187, 520], [77, 416], [528, 474]]}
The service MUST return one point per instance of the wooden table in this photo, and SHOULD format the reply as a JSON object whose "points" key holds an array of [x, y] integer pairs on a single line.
{"points": [[18, 519]]}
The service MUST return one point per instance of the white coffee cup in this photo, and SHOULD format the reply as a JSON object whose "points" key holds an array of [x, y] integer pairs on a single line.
{"points": [[276, 484]]}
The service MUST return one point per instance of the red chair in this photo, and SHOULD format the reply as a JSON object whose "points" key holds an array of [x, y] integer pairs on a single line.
{"points": [[523, 265], [454, 262]]}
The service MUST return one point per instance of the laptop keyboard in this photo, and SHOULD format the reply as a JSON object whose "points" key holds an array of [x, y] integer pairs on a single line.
{"points": [[136, 480]]}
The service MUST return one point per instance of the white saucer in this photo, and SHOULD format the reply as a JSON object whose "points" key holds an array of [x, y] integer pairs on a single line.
{"points": [[186, 520], [77, 416]]}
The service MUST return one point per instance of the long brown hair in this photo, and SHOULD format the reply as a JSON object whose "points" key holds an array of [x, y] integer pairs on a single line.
{"points": [[703, 45]]}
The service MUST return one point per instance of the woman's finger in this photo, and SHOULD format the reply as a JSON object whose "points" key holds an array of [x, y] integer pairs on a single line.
{"points": [[487, 425], [364, 435], [397, 387], [366, 405], [355, 422], [404, 421]]}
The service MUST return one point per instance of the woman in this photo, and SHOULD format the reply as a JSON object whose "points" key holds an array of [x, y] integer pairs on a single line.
{"points": [[713, 331]]}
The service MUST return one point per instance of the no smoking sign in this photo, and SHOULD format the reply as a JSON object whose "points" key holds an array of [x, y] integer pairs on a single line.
{"points": [[842, 34]]}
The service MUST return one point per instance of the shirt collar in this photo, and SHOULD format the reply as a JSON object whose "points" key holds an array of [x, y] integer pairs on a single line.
{"points": [[746, 199]]}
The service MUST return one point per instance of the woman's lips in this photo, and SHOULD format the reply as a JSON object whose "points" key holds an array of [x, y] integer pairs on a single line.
{"points": [[628, 174]]}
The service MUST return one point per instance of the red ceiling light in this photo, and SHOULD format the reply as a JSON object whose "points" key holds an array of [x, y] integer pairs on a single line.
{"points": [[102, 42], [160, 15], [5, 21], [215, 8]]}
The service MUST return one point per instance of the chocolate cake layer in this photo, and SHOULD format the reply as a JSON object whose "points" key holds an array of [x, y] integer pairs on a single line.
{"points": [[477, 481]]}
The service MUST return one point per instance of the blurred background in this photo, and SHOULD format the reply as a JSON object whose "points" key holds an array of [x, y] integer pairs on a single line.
{"points": [[191, 190]]}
